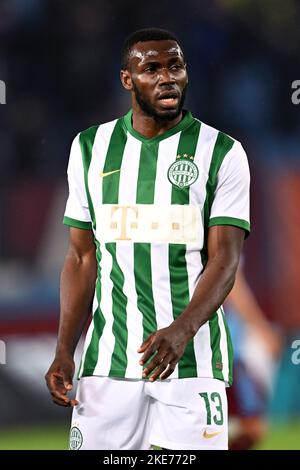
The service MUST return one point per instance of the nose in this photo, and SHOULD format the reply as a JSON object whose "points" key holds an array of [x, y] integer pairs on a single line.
{"points": [[166, 77]]}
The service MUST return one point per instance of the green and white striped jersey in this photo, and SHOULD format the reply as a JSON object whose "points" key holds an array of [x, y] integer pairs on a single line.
{"points": [[150, 203]]}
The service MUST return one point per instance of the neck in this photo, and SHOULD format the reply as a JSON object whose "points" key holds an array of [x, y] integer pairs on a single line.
{"points": [[150, 127]]}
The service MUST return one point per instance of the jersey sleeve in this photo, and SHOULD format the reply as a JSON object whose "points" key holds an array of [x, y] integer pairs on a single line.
{"points": [[231, 199], [77, 212]]}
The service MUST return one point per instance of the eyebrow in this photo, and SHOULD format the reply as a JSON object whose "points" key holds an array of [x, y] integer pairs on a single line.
{"points": [[156, 62], [150, 62]]}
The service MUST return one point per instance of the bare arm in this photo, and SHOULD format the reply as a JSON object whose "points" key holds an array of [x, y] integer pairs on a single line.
{"points": [[224, 247], [76, 292]]}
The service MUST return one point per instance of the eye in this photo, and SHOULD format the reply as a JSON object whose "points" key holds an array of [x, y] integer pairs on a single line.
{"points": [[150, 68], [176, 67]]}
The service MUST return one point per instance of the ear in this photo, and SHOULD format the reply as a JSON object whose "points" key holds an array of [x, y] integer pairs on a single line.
{"points": [[125, 77], [187, 77]]}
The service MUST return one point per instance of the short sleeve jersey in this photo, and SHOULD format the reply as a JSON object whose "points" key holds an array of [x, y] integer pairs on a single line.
{"points": [[150, 203]]}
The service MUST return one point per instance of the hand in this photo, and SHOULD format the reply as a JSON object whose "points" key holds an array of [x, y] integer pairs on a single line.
{"points": [[168, 345], [59, 380]]}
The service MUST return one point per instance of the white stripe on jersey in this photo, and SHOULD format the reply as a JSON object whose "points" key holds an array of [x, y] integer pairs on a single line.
{"points": [[204, 151], [167, 152], [99, 152], [107, 340], [162, 299], [203, 353], [129, 171]]}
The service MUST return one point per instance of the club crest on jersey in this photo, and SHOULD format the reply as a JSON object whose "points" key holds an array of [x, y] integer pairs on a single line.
{"points": [[183, 172], [75, 438]]}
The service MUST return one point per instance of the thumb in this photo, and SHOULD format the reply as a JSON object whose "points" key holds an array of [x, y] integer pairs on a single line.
{"points": [[67, 379]]}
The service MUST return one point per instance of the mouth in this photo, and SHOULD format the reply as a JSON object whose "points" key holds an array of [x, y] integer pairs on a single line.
{"points": [[168, 99]]}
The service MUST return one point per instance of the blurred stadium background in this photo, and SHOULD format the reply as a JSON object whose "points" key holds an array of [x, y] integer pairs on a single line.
{"points": [[60, 62]]}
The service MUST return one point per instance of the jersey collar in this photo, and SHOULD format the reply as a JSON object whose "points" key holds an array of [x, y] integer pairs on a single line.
{"points": [[185, 122]]}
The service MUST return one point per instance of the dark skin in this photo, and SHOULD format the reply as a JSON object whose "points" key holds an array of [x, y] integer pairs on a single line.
{"points": [[157, 71], [76, 292]]}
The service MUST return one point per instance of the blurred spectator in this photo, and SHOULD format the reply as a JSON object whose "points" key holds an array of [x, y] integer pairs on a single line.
{"points": [[256, 347]]}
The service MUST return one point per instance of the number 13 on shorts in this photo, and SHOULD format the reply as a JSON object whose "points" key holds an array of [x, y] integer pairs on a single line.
{"points": [[214, 410]]}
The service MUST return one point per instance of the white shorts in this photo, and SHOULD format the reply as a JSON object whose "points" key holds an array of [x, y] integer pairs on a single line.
{"points": [[129, 414]]}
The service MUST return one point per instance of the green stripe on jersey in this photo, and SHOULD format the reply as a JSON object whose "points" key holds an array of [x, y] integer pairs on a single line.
{"points": [[215, 338], [79, 373], [147, 173], [77, 223], [230, 221], [143, 286], [91, 356], [113, 161], [187, 366], [229, 348], [119, 302]]}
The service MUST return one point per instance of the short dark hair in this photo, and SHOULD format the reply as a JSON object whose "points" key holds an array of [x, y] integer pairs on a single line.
{"points": [[143, 35]]}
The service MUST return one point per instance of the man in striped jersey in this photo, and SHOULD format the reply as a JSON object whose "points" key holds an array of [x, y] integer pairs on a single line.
{"points": [[158, 210]]}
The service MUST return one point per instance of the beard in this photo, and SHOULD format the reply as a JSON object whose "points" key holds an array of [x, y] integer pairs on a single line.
{"points": [[149, 109]]}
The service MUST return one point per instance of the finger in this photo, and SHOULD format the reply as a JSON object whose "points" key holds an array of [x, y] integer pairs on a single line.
{"points": [[155, 362], [60, 403], [58, 385], [55, 385], [74, 402], [147, 356], [60, 397], [70, 403], [145, 344], [169, 370], [152, 349], [65, 401], [160, 369], [60, 394], [53, 378]]}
